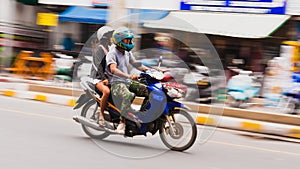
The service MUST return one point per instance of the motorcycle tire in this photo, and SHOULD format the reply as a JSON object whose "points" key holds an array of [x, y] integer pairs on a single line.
{"points": [[87, 111], [184, 126]]}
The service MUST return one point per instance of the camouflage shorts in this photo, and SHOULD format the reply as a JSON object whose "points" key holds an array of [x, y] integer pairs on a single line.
{"points": [[126, 93]]}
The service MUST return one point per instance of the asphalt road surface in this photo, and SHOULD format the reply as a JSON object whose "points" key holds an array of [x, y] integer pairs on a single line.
{"points": [[37, 135]]}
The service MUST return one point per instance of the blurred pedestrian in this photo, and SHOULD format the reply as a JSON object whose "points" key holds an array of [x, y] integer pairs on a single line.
{"points": [[68, 42]]}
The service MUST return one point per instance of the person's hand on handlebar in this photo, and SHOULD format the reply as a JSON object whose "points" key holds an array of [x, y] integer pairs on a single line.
{"points": [[134, 77]]}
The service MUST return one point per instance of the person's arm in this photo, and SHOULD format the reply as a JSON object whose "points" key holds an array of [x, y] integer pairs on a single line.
{"points": [[138, 66], [143, 68], [114, 70], [111, 62]]}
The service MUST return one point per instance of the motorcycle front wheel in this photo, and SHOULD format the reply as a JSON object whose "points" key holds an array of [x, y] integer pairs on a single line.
{"points": [[90, 111], [179, 131]]}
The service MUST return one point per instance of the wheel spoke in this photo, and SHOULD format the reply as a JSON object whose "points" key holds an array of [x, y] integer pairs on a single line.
{"points": [[179, 131], [90, 111]]}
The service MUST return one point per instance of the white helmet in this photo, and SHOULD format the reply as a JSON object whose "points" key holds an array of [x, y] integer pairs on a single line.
{"points": [[103, 30]]}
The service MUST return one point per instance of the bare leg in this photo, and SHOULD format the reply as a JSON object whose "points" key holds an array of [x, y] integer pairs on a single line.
{"points": [[105, 91]]}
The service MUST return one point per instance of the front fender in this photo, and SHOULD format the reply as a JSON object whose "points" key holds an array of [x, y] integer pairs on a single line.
{"points": [[174, 104]]}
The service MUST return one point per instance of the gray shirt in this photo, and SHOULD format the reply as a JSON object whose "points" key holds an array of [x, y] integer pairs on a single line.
{"points": [[122, 61], [98, 64]]}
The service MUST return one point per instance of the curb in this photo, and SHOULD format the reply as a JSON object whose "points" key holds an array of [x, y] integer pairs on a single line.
{"points": [[245, 113], [249, 125], [43, 97]]}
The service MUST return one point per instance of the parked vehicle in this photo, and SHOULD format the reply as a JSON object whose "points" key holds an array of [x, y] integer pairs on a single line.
{"points": [[202, 84], [161, 112], [64, 67], [291, 97], [241, 89]]}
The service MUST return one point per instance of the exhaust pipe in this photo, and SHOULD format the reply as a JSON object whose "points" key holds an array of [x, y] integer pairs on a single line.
{"points": [[87, 122], [94, 125]]}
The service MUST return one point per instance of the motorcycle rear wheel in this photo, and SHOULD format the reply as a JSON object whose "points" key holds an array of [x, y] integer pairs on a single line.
{"points": [[88, 111], [184, 131]]}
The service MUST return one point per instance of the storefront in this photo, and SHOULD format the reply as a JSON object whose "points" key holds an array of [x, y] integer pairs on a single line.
{"points": [[90, 19], [244, 33], [18, 30]]}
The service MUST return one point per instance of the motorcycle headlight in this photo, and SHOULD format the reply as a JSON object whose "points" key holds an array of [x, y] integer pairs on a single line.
{"points": [[174, 91], [155, 74]]}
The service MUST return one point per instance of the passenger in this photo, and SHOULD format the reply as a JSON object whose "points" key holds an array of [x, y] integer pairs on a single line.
{"points": [[104, 35]]}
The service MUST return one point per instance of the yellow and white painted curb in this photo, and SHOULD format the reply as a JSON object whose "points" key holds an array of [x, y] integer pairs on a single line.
{"points": [[249, 125], [39, 92], [43, 97]]}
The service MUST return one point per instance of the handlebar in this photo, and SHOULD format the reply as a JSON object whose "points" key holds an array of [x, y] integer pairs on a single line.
{"points": [[152, 73]]}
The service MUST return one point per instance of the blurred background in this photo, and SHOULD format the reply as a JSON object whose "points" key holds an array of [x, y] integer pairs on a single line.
{"points": [[43, 39], [244, 53]]}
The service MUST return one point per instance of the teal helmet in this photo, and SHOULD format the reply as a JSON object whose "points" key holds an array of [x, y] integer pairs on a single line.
{"points": [[120, 34]]}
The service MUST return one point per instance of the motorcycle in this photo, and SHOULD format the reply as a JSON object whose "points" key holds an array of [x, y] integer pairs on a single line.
{"points": [[241, 89], [64, 67], [160, 113], [202, 84]]}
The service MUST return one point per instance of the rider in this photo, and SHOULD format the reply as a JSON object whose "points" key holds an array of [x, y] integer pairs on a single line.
{"points": [[98, 67], [122, 85]]}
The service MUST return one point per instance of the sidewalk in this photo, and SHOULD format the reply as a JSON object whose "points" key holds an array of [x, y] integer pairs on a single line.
{"points": [[257, 119], [45, 91]]}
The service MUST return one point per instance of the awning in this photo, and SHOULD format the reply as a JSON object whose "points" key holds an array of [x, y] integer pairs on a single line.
{"points": [[100, 16], [84, 15], [225, 24], [147, 14]]}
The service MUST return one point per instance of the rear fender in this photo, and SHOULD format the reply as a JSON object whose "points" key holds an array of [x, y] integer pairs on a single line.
{"points": [[84, 98]]}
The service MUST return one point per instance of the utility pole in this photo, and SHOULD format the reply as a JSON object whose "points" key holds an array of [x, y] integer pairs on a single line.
{"points": [[119, 16]]}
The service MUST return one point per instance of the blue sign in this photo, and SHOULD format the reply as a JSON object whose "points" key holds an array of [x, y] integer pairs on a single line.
{"points": [[240, 6]]}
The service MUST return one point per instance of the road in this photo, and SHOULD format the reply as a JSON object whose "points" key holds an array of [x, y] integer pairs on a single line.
{"points": [[37, 135]]}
